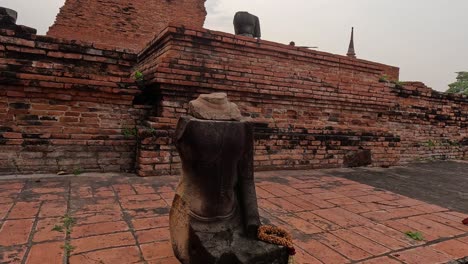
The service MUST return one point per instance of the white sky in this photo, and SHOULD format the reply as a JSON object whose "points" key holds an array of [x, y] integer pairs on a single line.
{"points": [[427, 39]]}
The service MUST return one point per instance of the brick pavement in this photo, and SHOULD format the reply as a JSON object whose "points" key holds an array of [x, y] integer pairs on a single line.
{"points": [[125, 220]]}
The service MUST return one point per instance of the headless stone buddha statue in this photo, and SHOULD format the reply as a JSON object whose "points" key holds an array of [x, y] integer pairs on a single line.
{"points": [[246, 24], [214, 216]]}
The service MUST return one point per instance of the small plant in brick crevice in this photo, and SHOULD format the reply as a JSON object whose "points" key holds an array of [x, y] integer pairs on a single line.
{"points": [[68, 249], [139, 80], [58, 228], [151, 131], [383, 78], [67, 224], [453, 143], [444, 142], [129, 132], [399, 84], [430, 143], [138, 76], [418, 236], [77, 171]]}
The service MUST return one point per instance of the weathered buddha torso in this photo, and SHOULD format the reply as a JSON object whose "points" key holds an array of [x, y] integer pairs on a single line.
{"points": [[214, 216], [210, 153], [246, 24]]}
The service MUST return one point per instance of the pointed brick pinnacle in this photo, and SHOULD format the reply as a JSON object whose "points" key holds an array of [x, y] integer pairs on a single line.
{"points": [[351, 53]]}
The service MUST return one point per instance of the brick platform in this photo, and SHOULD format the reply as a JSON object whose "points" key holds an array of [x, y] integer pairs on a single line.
{"points": [[311, 109], [125, 220], [74, 106]]}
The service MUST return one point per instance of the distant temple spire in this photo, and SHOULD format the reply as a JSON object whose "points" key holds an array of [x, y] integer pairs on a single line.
{"points": [[351, 53]]}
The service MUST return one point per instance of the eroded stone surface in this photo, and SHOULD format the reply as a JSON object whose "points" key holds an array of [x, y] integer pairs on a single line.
{"points": [[215, 106]]}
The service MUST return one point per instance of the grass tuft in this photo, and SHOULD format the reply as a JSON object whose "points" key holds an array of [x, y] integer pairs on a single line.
{"points": [[418, 236], [57, 228], [68, 249]]}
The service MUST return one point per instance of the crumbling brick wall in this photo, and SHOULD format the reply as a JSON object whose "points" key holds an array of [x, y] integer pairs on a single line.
{"points": [[65, 106], [72, 106], [310, 108], [431, 125], [127, 24]]}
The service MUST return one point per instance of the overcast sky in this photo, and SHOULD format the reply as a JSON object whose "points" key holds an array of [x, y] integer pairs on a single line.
{"points": [[427, 39]]}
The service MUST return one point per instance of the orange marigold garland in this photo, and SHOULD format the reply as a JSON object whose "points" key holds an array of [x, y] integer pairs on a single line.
{"points": [[278, 236]]}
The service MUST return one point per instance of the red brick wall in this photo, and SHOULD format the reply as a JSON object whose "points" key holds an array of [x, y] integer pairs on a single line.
{"points": [[311, 108], [65, 106], [70, 105], [432, 125], [127, 24]]}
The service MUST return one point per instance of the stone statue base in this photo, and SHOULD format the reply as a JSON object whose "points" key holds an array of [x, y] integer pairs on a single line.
{"points": [[218, 242]]}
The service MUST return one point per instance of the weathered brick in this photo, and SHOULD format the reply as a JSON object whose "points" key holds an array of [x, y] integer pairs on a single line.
{"points": [[103, 241], [157, 250], [98, 229], [15, 232], [310, 108], [139, 30], [51, 252], [24, 210], [128, 254], [422, 255], [44, 230]]}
